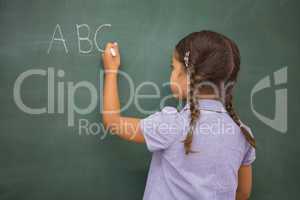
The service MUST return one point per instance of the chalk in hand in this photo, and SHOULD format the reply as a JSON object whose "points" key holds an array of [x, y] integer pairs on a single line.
{"points": [[112, 51]]}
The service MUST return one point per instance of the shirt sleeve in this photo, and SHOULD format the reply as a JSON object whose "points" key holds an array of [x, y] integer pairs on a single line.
{"points": [[161, 129], [250, 154]]}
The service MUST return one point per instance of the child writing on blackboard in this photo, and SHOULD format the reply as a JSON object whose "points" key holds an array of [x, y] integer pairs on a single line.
{"points": [[203, 151]]}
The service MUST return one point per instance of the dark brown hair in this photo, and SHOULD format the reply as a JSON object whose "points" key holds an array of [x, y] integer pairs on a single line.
{"points": [[210, 57]]}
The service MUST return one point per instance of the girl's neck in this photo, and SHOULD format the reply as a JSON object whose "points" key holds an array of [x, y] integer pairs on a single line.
{"points": [[207, 93], [208, 96]]}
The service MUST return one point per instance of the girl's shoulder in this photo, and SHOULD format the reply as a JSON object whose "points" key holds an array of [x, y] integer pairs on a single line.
{"points": [[168, 115], [161, 128], [169, 110]]}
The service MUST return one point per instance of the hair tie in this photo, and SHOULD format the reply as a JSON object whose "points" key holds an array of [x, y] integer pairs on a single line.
{"points": [[186, 58]]}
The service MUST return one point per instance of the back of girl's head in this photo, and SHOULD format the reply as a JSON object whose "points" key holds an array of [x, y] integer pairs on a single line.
{"points": [[212, 55], [210, 59]]}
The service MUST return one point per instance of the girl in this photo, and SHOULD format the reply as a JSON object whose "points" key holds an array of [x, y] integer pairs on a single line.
{"points": [[202, 152]]}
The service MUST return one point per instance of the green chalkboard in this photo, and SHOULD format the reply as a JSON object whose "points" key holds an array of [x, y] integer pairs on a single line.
{"points": [[50, 59]]}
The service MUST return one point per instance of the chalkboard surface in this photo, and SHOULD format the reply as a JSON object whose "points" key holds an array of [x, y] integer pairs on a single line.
{"points": [[50, 58]]}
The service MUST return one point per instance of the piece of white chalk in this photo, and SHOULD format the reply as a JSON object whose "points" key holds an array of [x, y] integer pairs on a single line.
{"points": [[112, 51]]}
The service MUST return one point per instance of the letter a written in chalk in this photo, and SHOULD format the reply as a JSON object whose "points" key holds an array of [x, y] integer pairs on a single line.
{"points": [[60, 38]]}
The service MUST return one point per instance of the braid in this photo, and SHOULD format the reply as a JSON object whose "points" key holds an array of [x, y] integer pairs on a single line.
{"points": [[194, 110], [229, 98], [235, 117]]}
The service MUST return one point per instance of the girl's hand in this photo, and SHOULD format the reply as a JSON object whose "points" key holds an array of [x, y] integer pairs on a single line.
{"points": [[111, 62]]}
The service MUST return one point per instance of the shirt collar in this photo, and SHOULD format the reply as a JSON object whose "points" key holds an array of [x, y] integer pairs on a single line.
{"points": [[208, 104]]}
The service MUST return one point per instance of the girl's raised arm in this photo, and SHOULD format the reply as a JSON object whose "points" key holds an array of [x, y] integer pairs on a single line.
{"points": [[126, 127]]}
